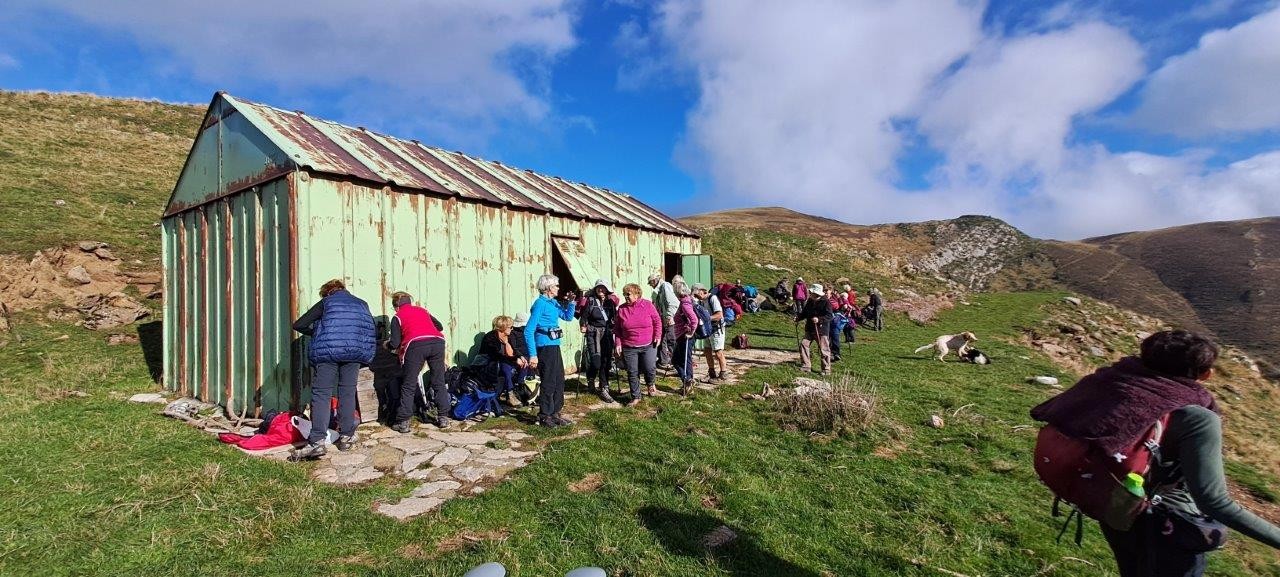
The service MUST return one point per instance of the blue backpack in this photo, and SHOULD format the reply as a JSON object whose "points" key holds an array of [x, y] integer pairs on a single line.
{"points": [[729, 316], [750, 291], [704, 329]]}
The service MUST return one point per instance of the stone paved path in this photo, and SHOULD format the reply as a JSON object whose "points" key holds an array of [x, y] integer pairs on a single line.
{"points": [[451, 463]]}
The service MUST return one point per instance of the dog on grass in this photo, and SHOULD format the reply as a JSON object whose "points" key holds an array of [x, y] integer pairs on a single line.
{"points": [[976, 357], [944, 344]]}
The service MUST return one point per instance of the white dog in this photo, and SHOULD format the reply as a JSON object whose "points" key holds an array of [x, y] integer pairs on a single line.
{"points": [[947, 343]]}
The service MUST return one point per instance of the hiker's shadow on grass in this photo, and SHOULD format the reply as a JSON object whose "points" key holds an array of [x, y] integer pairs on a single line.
{"points": [[687, 534]]}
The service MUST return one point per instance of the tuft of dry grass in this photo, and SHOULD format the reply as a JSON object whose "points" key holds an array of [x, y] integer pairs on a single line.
{"points": [[468, 538], [850, 408], [588, 484]]}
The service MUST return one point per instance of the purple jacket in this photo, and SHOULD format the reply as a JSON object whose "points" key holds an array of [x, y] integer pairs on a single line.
{"points": [[686, 320], [637, 324]]}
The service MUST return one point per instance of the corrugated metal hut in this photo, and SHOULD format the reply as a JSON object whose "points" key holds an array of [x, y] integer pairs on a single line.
{"points": [[271, 204]]}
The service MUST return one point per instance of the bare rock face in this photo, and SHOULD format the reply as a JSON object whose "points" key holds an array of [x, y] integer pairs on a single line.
{"points": [[79, 274], [110, 311]]}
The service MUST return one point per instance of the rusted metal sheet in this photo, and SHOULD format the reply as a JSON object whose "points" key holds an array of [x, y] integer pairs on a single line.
{"points": [[337, 149]]}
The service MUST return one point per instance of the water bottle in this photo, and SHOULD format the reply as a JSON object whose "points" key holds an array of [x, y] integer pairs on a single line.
{"points": [[1133, 482]]}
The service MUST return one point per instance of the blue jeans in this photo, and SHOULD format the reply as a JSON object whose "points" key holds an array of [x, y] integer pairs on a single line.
{"points": [[834, 337], [511, 375], [326, 376], [682, 358]]}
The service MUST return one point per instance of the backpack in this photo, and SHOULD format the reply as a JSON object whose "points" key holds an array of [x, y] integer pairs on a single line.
{"points": [[741, 341], [729, 316], [704, 328], [750, 291], [474, 403], [1094, 484]]}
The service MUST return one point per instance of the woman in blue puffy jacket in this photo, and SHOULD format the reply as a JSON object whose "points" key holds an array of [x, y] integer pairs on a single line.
{"points": [[343, 338]]}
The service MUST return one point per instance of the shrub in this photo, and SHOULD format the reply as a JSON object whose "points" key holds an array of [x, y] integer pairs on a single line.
{"points": [[851, 407]]}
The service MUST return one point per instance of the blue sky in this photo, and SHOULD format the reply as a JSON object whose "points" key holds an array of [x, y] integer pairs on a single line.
{"points": [[1067, 119]]}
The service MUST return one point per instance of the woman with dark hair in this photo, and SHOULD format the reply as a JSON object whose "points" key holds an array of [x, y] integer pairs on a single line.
{"points": [[343, 337], [542, 338], [596, 310], [1116, 405]]}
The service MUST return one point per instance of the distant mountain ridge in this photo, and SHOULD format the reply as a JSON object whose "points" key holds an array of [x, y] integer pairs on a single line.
{"points": [[1219, 278]]}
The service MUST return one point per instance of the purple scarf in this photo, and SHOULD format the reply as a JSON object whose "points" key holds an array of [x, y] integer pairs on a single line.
{"points": [[1116, 404]]}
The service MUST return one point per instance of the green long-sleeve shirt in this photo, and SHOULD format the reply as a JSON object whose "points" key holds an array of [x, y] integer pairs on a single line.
{"points": [[1194, 441]]}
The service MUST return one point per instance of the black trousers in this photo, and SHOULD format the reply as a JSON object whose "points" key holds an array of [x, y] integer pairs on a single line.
{"points": [[551, 372], [431, 353], [1143, 551], [598, 355]]}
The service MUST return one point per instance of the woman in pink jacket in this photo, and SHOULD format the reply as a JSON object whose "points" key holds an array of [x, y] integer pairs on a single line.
{"points": [[637, 329], [686, 321]]}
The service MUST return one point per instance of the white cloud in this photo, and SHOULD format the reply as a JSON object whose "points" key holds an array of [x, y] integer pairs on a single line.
{"points": [[797, 99], [1011, 107], [8, 62], [1227, 84], [471, 64], [807, 111]]}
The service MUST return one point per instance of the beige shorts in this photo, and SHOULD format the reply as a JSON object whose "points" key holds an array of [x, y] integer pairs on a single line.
{"points": [[715, 342]]}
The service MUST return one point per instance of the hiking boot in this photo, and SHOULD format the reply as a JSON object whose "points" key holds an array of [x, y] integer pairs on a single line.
{"points": [[308, 453], [561, 421], [402, 426], [605, 396], [443, 423], [547, 421], [686, 388], [345, 442], [633, 402]]}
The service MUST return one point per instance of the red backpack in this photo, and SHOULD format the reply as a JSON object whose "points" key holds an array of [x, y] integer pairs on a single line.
{"points": [[741, 342], [1093, 483]]}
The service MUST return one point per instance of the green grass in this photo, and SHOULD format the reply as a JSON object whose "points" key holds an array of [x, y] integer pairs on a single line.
{"points": [[96, 485]]}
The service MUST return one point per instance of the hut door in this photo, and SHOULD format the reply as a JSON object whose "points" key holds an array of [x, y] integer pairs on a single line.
{"points": [[582, 273], [696, 268]]}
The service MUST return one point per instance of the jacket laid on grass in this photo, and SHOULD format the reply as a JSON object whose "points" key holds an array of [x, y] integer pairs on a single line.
{"points": [[341, 329]]}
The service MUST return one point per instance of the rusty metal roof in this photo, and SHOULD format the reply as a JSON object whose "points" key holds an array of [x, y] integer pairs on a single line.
{"points": [[328, 147]]}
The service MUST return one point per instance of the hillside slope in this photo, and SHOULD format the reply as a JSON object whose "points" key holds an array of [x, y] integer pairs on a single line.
{"points": [[1222, 277], [76, 167]]}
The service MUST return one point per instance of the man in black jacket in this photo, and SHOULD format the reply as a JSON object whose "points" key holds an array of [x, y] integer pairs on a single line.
{"points": [[816, 316]]}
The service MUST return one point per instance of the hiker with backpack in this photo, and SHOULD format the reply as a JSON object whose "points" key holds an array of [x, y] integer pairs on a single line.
{"points": [[542, 338], [1138, 446], [595, 319], [780, 293], [839, 322], [713, 343], [418, 337], [343, 337], [637, 328], [850, 328], [665, 299], [815, 313], [686, 325]]}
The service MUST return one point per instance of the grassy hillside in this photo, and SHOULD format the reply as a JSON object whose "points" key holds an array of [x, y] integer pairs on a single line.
{"points": [[100, 486], [1220, 276], [96, 485], [112, 162]]}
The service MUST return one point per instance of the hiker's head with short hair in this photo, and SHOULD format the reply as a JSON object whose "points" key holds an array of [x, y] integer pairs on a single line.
{"points": [[502, 322], [682, 290], [546, 282], [401, 298], [331, 287], [1179, 353], [631, 292], [654, 279]]}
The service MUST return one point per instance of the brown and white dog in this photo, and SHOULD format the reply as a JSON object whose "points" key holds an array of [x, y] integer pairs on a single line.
{"points": [[947, 343]]}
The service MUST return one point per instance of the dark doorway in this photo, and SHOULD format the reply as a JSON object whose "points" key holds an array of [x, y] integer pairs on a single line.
{"points": [[560, 268], [670, 264]]}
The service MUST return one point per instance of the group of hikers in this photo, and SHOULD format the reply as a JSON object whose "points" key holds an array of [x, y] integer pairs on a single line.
{"points": [[1143, 434]]}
